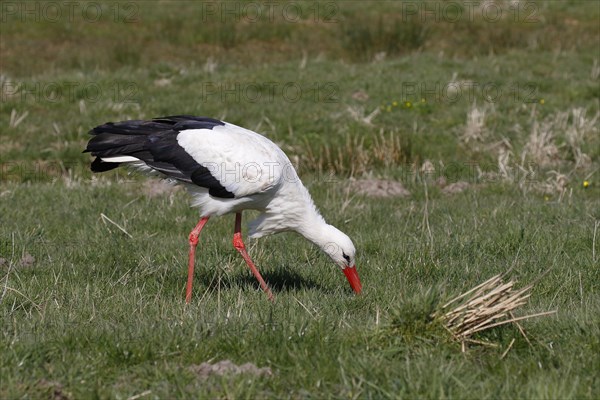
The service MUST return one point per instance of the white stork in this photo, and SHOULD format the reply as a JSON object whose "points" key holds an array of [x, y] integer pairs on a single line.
{"points": [[226, 169]]}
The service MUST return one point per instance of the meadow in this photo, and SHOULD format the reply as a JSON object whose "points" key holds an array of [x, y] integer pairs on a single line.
{"points": [[485, 113]]}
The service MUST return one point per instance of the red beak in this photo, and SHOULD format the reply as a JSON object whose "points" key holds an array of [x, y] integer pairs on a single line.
{"points": [[353, 279]]}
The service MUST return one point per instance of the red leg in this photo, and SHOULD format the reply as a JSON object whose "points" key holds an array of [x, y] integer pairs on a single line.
{"points": [[193, 238], [238, 243]]}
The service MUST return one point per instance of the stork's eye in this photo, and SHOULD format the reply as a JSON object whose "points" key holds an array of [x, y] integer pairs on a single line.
{"points": [[346, 257]]}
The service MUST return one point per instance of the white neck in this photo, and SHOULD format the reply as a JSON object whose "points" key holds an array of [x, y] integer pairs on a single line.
{"points": [[299, 214], [314, 228]]}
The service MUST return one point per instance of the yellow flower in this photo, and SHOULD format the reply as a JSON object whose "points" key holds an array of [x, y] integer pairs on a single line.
{"points": [[395, 103], [408, 104], [546, 198], [586, 184], [542, 101], [422, 100]]}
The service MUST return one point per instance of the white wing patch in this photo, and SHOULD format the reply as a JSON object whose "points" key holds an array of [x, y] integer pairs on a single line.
{"points": [[120, 159], [243, 161]]}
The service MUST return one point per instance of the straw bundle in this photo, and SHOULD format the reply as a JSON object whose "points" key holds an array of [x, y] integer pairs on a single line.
{"points": [[485, 306]]}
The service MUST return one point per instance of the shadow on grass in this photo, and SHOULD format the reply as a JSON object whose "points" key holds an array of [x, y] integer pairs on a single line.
{"points": [[279, 281]]}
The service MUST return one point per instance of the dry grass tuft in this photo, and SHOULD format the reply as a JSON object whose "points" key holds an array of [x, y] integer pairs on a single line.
{"points": [[555, 184], [486, 306], [16, 118], [595, 72], [475, 129], [576, 133], [541, 147], [355, 155], [573, 125], [359, 114], [552, 144]]}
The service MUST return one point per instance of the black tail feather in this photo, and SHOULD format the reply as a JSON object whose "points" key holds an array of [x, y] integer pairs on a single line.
{"points": [[108, 144], [100, 166]]}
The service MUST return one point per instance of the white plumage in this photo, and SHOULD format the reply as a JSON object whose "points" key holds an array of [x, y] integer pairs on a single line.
{"points": [[226, 169], [247, 164]]}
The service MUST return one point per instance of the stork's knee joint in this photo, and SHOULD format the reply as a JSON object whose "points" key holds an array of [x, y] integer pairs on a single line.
{"points": [[238, 243]]}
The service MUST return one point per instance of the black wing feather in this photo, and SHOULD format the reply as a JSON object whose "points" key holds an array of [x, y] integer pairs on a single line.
{"points": [[155, 143]]}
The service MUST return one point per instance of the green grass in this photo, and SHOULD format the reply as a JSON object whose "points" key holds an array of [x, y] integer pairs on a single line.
{"points": [[104, 315], [101, 314]]}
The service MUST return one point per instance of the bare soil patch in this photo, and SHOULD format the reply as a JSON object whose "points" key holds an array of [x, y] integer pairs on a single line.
{"points": [[55, 390], [379, 188], [226, 367], [456, 187], [27, 260]]}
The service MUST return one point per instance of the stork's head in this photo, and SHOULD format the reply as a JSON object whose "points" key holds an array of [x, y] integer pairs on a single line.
{"points": [[340, 248]]}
